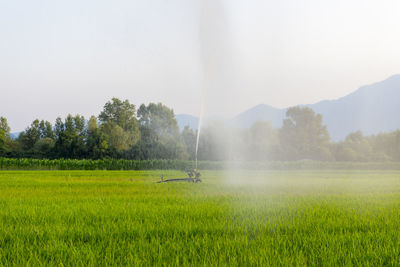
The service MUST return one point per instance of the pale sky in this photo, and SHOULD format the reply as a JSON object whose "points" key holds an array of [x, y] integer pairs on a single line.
{"points": [[60, 57]]}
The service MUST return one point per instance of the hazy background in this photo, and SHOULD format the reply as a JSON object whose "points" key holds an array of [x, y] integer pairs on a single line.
{"points": [[72, 56]]}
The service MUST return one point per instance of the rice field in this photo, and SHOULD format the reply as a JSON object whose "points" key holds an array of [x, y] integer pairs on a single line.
{"points": [[238, 218]]}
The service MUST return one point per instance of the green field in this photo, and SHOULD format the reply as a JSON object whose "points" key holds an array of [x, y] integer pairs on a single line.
{"points": [[99, 218]]}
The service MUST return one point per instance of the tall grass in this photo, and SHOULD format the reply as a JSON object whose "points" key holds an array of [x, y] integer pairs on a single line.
{"points": [[96, 218]]}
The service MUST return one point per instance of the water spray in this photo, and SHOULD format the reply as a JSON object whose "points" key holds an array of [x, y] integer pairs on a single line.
{"points": [[203, 102], [206, 20], [210, 39], [194, 174]]}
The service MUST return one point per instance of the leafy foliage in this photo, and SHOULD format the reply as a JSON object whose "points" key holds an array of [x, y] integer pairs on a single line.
{"points": [[152, 132], [303, 136], [4, 136], [119, 125], [160, 136]]}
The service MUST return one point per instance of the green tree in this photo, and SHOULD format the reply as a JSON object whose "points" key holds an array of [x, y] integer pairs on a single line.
{"points": [[385, 146], [38, 139], [303, 136], [345, 153], [96, 142], [159, 120], [355, 148], [44, 147], [160, 135], [70, 137], [30, 136], [3, 147], [189, 138], [46, 130], [4, 136], [263, 141], [119, 124], [4, 125], [117, 138]]}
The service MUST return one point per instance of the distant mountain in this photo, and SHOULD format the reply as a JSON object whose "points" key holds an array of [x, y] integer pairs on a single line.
{"points": [[184, 120], [372, 109]]}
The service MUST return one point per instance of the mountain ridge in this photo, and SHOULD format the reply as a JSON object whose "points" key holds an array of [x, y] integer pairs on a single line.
{"points": [[371, 109]]}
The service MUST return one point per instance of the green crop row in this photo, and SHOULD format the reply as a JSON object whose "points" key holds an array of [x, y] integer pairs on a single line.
{"points": [[104, 164], [122, 164]]}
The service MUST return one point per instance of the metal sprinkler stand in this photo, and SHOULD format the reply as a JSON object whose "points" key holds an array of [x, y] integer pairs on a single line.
{"points": [[194, 177]]}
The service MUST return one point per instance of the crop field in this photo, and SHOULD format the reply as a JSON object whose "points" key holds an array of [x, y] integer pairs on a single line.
{"points": [[238, 218]]}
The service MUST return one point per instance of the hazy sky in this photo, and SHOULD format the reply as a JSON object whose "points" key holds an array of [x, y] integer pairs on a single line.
{"points": [[60, 57]]}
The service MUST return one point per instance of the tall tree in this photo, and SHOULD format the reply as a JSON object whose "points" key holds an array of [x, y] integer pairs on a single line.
{"points": [[30, 136], [385, 146], [70, 137], [46, 130], [354, 148], [160, 135], [38, 139], [263, 141], [303, 136], [4, 136], [96, 142], [189, 138], [4, 125], [119, 124]]}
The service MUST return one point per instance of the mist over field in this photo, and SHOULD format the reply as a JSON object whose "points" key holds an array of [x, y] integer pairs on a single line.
{"points": [[199, 133]]}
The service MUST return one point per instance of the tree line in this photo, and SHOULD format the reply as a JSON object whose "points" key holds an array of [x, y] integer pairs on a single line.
{"points": [[121, 131]]}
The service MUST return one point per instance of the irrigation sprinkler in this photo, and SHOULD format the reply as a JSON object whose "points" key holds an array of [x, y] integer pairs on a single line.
{"points": [[193, 177], [194, 174]]}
